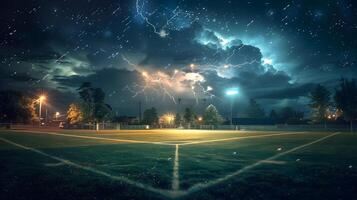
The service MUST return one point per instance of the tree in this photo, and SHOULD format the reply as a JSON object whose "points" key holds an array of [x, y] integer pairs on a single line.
{"points": [[150, 116], [319, 103], [85, 94], [346, 100], [189, 116], [101, 111], [211, 116], [290, 116], [254, 110], [178, 119], [273, 115], [93, 105], [16, 107], [74, 114]]}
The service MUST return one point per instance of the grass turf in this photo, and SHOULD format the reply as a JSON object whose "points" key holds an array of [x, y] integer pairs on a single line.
{"points": [[323, 170]]}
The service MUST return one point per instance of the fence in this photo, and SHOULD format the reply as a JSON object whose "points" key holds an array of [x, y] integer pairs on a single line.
{"points": [[281, 127], [118, 126]]}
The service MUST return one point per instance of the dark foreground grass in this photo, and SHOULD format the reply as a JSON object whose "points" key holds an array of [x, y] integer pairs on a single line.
{"points": [[325, 170]]}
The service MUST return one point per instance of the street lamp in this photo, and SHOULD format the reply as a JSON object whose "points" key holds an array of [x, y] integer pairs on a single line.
{"points": [[231, 92], [40, 99]]}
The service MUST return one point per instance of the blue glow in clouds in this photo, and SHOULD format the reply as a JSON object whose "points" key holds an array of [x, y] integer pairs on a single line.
{"points": [[232, 91]]}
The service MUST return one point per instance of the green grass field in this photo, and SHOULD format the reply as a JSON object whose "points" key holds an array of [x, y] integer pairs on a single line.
{"points": [[177, 164]]}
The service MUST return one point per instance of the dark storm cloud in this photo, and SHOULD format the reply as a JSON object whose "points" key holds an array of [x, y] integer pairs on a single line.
{"points": [[268, 85], [108, 78], [22, 77], [182, 48], [57, 45], [293, 91], [114, 82]]}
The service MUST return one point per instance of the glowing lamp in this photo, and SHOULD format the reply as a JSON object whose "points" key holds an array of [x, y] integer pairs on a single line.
{"points": [[232, 92], [42, 97]]}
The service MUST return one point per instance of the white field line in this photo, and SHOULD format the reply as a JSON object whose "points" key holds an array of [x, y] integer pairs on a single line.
{"points": [[277, 162], [95, 138], [201, 186], [167, 193], [175, 175], [238, 138]]}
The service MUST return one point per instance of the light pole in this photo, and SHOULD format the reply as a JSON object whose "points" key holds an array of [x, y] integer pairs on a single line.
{"points": [[231, 92], [41, 98]]}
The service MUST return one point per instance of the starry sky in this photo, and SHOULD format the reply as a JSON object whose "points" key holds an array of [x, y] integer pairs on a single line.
{"points": [[177, 53]]}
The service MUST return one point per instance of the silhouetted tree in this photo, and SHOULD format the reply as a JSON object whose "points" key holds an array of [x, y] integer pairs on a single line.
{"points": [[254, 110], [93, 105], [273, 115], [211, 116], [150, 116], [16, 107], [319, 103], [189, 116], [178, 119], [346, 100], [290, 116], [87, 106]]}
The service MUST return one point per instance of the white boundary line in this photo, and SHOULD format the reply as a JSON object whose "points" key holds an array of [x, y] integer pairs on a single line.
{"points": [[95, 138], [175, 192], [166, 193], [238, 138], [201, 186], [175, 175], [159, 143]]}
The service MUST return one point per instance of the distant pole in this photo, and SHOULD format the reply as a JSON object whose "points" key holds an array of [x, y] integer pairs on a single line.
{"points": [[204, 105], [179, 105], [231, 111], [41, 99], [179, 109], [46, 116], [139, 112], [39, 113], [232, 92]]}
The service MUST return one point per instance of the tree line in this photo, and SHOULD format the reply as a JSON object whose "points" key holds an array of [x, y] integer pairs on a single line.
{"points": [[211, 116], [91, 108]]}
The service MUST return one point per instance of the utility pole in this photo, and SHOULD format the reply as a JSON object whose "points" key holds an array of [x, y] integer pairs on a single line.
{"points": [[139, 112], [39, 112]]}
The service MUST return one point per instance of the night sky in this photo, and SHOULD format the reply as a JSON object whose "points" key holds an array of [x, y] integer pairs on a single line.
{"points": [[167, 52]]}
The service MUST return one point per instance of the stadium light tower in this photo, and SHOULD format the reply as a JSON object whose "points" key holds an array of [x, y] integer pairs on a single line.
{"points": [[232, 92]]}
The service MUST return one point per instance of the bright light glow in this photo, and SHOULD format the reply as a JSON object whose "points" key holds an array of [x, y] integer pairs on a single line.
{"points": [[223, 41], [163, 33], [167, 118], [42, 97], [145, 74], [57, 114], [225, 66], [194, 77], [192, 65], [232, 91], [267, 61], [209, 88], [200, 119]]}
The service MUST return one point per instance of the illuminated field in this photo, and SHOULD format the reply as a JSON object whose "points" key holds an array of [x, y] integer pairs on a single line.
{"points": [[184, 164]]}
